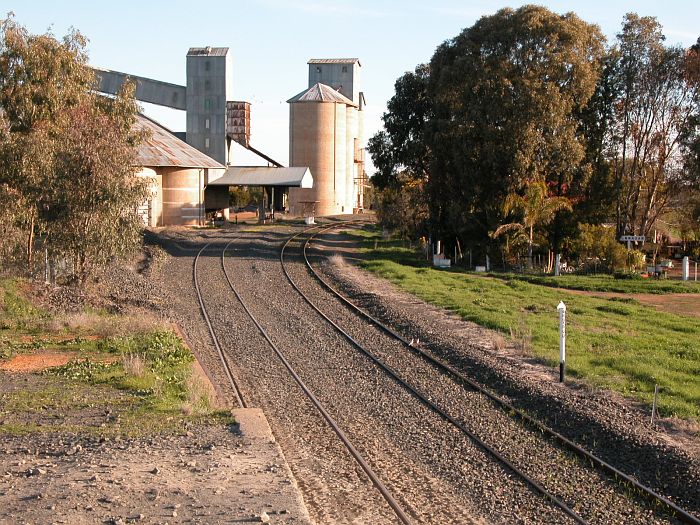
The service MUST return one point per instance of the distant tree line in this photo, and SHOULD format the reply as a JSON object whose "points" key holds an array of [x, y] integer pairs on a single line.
{"points": [[68, 185], [527, 129]]}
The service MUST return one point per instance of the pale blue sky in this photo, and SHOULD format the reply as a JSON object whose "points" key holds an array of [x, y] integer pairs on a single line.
{"points": [[271, 41]]}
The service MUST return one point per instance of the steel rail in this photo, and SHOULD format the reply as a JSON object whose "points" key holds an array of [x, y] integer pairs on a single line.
{"points": [[675, 510], [384, 491], [229, 373], [423, 398]]}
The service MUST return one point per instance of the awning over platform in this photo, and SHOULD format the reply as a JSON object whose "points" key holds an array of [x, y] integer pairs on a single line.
{"points": [[264, 176]]}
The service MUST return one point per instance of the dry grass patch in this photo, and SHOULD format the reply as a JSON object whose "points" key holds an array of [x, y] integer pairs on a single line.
{"points": [[201, 395], [133, 365], [498, 342], [104, 326], [337, 260], [522, 336]]}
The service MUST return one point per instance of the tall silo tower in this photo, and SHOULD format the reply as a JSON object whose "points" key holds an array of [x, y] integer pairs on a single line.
{"points": [[209, 86], [318, 138], [343, 75]]}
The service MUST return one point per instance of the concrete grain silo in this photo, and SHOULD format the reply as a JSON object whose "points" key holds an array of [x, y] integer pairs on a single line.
{"points": [[343, 75], [318, 138]]}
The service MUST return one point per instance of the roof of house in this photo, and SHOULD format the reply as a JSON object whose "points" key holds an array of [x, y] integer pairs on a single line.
{"points": [[265, 176], [321, 93], [162, 148]]}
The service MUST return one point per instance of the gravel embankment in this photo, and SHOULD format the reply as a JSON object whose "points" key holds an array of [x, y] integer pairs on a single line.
{"points": [[334, 489], [604, 423], [436, 473]]}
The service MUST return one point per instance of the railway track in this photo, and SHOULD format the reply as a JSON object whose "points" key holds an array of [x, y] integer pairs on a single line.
{"points": [[222, 356], [464, 383], [374, 478], [672, 510]]}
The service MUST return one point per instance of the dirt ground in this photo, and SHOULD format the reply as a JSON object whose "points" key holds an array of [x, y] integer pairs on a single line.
{"points": [[675, 303], [212, 474], [41, 360]]}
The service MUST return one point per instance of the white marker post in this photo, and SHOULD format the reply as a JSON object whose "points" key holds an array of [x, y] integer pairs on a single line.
{"points": [[562, 340]]}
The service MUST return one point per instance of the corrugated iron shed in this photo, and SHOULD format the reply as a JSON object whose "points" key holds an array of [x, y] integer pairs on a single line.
{"points": [[209, 51], [264, 176], [163, 149], [322, 93], [334, 61]]}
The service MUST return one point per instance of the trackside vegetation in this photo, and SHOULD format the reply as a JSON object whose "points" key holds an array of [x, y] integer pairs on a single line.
{"points": [[530, 133], [120, 377], [606, 283], [612, 342]]}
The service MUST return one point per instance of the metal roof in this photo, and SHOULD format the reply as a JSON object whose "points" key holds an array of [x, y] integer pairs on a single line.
{"points": [[209, 51], [334, 61], [264, 176], [321, 93], [162, 148]]}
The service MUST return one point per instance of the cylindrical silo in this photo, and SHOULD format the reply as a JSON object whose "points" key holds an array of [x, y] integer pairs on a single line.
{"points": [[340, 162], [181, 195], [151, 209], [318, 140]]}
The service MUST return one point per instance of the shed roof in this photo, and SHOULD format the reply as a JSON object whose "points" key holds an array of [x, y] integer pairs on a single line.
{"points": [[208, 51], [264, 176], [321, 93], [162, 148], [334, 61]]}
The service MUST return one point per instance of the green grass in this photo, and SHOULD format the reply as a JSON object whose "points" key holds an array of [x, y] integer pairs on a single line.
{"points": [[16, 312], [58, 405], [162, 380], [606, 283], [613, 343], [144, 375], [146, 401]]}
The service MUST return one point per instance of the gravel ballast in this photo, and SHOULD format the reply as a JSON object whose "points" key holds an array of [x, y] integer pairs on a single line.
{"points": [[436, 474]]}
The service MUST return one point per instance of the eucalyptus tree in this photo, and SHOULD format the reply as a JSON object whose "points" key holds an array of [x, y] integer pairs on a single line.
{"points": [[506, 96], [657, 106], [496, 109], [40, 78], [66, 153]]}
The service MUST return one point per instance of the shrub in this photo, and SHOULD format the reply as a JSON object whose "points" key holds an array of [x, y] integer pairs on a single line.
{"points": [[627, 275], [599, 243], [403, 210]]}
